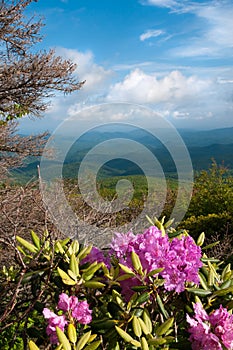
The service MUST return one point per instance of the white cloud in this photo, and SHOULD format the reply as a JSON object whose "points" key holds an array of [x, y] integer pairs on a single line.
{"points": [[94, 74], [147, 88], [151, 34], [219, 19], [162, 3], [214, 36]]}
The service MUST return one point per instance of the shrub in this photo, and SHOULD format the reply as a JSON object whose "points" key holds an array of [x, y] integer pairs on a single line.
{"points": [[138, 293]]}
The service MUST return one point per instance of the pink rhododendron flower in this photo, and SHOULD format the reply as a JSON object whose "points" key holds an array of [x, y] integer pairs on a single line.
{"points": [[82, 313], [222, 323], [53, 322], [180, 258], [209, 332], [70, 306], [67, 303]]}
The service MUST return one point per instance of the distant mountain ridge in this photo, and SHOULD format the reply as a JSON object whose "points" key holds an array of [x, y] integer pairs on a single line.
{"points": [[203, 146]]}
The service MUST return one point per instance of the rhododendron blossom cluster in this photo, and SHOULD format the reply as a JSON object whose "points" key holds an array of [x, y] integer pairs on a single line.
{"points": [[72, 308], [179, 257], [214, 331]]}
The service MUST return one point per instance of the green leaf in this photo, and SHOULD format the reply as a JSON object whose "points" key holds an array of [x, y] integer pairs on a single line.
{"points": [[142, 298], [157, 341], [161, 306], [93, 346], [65, 278], [210, 278], [74, 265], [136, 327], [165, 326], [59, 247], [226, 284], [226, 271], [222, 292], [72, 334], [155, 272], [90, 271], [35, 239], [212, 260], [126, 269], [27, 244], [32, 346], [94, 284], [104, 324], [124, 277], [203, 281], [63, 339], [144, 344], [199, 292], [83, 340], [211, 245], [84, 252]]}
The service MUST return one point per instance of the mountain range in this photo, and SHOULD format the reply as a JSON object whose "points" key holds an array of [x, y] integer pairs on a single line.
{"points": [[202, 145]]}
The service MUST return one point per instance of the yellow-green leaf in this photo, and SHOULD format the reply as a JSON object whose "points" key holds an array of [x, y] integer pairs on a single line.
{"points": [[27, 244], [35, 239], [136, 262], [201, 239], [127, 269], [74, 265], [32, 346], [83, 340], [72, 334], [203, 281], [155, 272], [136, 327], [156, 341], [94, 284], [124, 277], [147, 320], [127, 337], [75, 246], [90, 271], [84, 252], [93, 346], [165, 326], [124, 335], [59, 247], [222, 292], [65, 278], [63, 339], [144, 344], [72, 275], [143, 326]]}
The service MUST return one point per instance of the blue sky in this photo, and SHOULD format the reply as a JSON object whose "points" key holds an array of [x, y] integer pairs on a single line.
{"points": [[175, 57]]}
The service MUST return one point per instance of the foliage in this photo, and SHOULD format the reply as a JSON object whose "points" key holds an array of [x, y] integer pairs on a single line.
{"points": [[211, 205], [213, 192], [62, 276]]}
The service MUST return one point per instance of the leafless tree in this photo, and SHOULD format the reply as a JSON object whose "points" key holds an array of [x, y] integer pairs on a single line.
{"points": [[28, 79]]}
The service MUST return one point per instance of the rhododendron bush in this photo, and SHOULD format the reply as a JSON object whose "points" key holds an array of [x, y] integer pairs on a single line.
{"points": [[158, 289]]}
